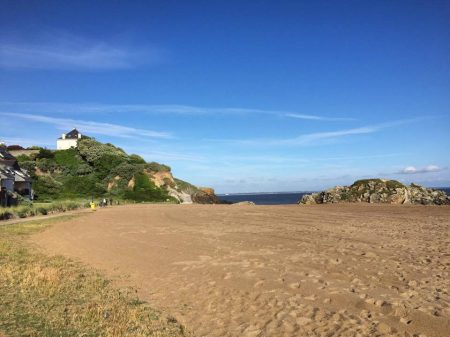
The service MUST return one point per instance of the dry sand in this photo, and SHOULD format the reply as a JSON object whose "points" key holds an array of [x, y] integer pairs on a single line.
{"points": [[326, 270]]}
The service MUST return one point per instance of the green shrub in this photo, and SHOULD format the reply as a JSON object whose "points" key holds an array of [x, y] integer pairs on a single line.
{"points": [[157, 167], [45, 154], [125, 170], [46, 165], [24, 211], [23, 158], [145, 190], [92, 151], [135, 159], [46, 188], [392, 184], [83, 169], [42, 210], [6, 214]]}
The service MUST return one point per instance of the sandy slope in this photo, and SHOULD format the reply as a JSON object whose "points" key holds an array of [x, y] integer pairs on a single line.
{"points": [[342, 270]]}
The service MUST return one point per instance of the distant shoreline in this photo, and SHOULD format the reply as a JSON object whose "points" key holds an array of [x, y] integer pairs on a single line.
{"points": [[446, 189], [278, 198]]}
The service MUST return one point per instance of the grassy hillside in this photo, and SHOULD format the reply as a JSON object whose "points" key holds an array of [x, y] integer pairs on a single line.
{"points": [[93, 169]]}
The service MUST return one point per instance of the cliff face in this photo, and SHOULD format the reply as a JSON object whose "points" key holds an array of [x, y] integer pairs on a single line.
{"points": [[378, 191]]}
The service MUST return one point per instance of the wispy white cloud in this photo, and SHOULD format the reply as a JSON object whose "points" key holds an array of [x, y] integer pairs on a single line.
{"points": [[316, 137], [176, 109], [25, 141], [169, 156], [107, 129], [426, 169], [316, 118], [63, 51]]}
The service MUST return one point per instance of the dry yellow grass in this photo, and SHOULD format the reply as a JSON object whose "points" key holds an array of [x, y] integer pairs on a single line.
{"points": [[54, 296]]}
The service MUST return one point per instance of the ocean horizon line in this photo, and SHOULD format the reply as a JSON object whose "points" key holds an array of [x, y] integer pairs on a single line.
{"points": [[445, 188]]}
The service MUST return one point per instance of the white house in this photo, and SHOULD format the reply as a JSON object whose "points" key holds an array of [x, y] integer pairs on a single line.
{"points": [[68, 140]]}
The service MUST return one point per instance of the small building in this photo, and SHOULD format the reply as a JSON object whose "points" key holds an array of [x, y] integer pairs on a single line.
{"points": [[12, 177], [68, 140]]}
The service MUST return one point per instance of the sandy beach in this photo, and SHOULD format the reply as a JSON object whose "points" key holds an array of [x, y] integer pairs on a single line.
{"points": [[326, 270]]}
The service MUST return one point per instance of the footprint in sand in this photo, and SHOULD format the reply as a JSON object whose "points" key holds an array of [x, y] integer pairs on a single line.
{"points": [[258, 284], [228, 276], [294, 285]]}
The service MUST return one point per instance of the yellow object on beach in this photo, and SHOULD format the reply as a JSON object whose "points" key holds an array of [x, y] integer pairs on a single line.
{"points": [[93, 206]]}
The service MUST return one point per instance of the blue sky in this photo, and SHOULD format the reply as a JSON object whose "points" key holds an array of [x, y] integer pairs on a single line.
{"points": [[242, 96]]}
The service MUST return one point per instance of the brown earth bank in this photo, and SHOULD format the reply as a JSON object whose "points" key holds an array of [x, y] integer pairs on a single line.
{"points": [[320, 270]]}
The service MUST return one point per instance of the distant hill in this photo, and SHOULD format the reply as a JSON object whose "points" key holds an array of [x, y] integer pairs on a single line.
{"points": [[104, 170], [379, 191]]}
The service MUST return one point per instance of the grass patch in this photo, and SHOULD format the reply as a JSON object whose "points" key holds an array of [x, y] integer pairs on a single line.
{"points": [[55, 296], [25, 211]]}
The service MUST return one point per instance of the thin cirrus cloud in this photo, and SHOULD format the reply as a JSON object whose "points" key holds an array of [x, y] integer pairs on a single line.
{"points": [[107, 129], [426, 169], [67, 52], [174, 109], [317, 137], [25, 141]]}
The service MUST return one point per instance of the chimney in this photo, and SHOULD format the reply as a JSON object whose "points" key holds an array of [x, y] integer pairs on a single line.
{"points": [[63, 136], [79, 135]]}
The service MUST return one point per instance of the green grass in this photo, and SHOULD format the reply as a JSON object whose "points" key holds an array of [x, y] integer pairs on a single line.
{"points": [[25, 211], [55, 296]]}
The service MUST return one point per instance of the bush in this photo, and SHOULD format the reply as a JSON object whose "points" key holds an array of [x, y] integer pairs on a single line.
{"points": [[42, 210], [45, 154], [25, 211], [23, 158], [92, 151], [46, 188], [145, 190], [46, 165], [29, 166], [83, 169], [6, 214], [125, 171], [135, 159], [81, 186], [67, 158], [157, 167]]}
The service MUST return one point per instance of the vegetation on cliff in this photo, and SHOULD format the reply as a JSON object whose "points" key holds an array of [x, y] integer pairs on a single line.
{"points": [[99, 170], [379, 191]]}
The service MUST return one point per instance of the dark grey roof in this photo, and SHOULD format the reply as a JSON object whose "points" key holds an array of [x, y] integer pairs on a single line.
{"points": [[72, 134], [6, 172], [20, 175], [4, 154]]}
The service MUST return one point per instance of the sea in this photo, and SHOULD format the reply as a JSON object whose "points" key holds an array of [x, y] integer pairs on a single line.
{"points": [[277, 198]]}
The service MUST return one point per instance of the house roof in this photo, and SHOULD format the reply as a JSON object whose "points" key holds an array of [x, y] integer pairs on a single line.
{"points": [[6, 172], [4, 154], [14, 147], [72, 134], [21, 175]]}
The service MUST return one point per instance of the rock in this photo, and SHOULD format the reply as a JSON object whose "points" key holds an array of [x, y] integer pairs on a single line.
{"points": [[205, 196], [244, 203], [378, 191], [308, 199]]}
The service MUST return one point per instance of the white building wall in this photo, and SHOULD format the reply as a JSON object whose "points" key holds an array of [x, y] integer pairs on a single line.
{"points": [[64, 144]]}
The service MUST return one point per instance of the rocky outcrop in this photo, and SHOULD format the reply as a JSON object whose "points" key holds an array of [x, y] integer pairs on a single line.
{"points": [[205, 196], [378, 191]]}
